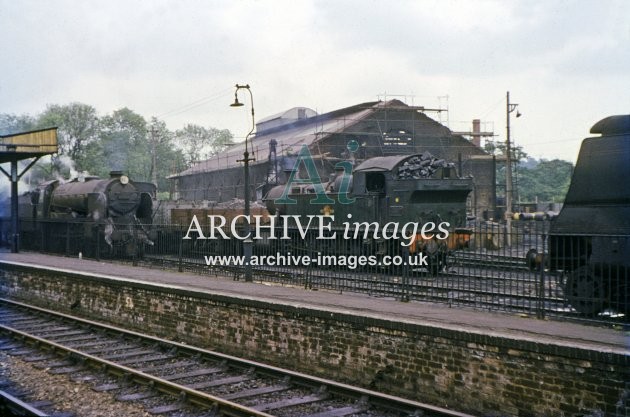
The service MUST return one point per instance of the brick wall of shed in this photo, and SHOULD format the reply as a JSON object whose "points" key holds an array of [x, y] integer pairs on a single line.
{"points": [[484, 194], [462, 370], [222, 185]]}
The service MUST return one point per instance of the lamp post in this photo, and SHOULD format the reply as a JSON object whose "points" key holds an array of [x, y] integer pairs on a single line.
{"points": [[510, 107], [247, 242]]}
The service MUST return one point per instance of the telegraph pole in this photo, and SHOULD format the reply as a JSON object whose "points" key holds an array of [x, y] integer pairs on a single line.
{"points": [[510, 107], [154, 157]]}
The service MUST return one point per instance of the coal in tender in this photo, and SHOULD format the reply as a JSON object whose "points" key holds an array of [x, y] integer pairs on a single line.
{"points": [[422, 166]]}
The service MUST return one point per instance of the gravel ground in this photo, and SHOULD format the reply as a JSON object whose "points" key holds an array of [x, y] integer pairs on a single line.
{"points": [[68, 396]]}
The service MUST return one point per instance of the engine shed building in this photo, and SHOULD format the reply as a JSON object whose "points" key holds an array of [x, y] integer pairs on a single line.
{"points": [[353, 134]]}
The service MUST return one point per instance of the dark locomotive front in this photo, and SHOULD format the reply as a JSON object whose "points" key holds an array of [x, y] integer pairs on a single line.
{"points": [[122, 207], [589, 241], [401, 189]]}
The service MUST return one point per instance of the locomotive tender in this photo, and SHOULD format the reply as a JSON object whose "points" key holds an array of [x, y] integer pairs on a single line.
{"points": [[121, 205], [589, 241], [401, 189]]}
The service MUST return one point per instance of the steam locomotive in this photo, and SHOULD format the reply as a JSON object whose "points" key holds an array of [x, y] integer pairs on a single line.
{"points": [[122, 207], [402, 189], [589, 241]]}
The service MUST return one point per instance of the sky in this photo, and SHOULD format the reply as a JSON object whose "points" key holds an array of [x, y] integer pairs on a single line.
{"points": [[565, 63]]}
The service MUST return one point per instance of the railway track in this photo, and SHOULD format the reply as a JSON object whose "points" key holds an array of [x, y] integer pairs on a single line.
{"points": [[491, 261], [11, 405], [170, 377]]}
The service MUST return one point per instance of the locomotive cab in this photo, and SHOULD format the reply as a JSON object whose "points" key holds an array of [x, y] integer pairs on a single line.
{"points": [[375, 182]]}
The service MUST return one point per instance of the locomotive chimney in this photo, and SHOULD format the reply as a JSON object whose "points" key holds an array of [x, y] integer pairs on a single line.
{"points": [[115, 174]]}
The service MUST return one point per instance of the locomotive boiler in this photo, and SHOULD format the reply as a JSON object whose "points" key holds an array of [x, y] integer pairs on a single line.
{"points": [[589, 241], [382, 192], [122, 206]]}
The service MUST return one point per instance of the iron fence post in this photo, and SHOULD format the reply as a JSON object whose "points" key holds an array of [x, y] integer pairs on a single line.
{"points": [[67, 238], [98, 243], [541, 283], [405, 283], [307, 275], [41, 227], [18, 243], [180, 250], [134, 243]]}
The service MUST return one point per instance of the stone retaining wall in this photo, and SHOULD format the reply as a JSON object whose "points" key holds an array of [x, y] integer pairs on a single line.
{"points": [[467, 371]]}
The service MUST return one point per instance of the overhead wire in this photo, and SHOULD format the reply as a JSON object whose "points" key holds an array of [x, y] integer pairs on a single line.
{"points": [[490, 108], [197, 103], [555, 141]]}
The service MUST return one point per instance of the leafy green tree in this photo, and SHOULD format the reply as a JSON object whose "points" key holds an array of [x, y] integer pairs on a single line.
{"points": [[499, 148], [122, 140], [144, 151], [11, 123], [168, 158], [122, 146], [518, 155], [77, 126], [199, 143], [547, 181]]}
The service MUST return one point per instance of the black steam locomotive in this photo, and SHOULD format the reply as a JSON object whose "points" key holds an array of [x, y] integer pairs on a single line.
{"points": [[589, 241], [396, 190], [120, 207]]}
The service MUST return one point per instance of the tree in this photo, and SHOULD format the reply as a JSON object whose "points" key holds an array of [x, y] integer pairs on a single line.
{"points": [[168, 159], [144, 151], [498, 148], [122, 145], [77, 126], [11, 123], [122, 140], [518, 155], [548, 181], [199, 143]]}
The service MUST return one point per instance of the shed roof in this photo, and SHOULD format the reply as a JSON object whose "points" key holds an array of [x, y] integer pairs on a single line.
{"points": [[288, 137], [382, 163], [291, 136], [290, 115]]}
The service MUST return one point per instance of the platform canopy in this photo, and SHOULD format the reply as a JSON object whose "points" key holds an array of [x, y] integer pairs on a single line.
{"points": [[26, 145], [16, 147]]}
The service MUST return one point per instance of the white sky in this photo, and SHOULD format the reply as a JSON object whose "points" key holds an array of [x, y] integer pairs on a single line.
{"points": [[567, 63]]}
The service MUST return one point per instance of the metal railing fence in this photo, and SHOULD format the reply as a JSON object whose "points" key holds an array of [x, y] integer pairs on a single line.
{"points": [[523, 270]]}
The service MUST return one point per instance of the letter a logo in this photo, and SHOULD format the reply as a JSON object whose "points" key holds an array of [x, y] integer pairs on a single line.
{"points": [[313, 178]]}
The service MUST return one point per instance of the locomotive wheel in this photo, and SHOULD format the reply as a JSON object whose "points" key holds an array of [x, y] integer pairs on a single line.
{"points": [[530, 259], [585, 291]]}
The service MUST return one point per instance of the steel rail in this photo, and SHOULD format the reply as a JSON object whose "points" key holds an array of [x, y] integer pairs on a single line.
{"points": [[227, 408], [18, 407], [374, 398]]}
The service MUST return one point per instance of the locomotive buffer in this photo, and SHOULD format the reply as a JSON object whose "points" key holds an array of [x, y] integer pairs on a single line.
{"points": [[16, 147]]}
